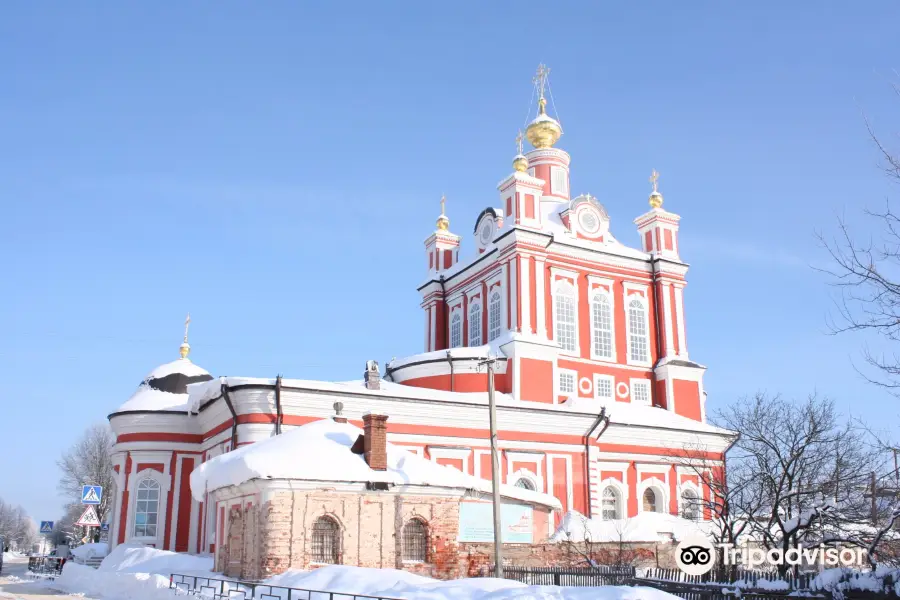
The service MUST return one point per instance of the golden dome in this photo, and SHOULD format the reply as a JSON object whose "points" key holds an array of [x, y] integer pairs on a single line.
{"points": [[520, 163], [656, 199], [544, 131], [184, 349], [443, 223]]}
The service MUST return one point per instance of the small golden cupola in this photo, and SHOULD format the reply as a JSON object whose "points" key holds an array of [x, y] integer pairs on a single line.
{"points": [[544, 131], [184, 349], [656, 199], [520, 163], [443, 222]]}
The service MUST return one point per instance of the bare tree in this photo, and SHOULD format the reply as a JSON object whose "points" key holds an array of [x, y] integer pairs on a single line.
{"points": [[16, 527], [803, 470], [88, 462], [867, 273]]}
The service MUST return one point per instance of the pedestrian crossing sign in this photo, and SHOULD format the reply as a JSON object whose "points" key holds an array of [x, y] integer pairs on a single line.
{"points": [[91, 494], [89, 518], [46, 526]]}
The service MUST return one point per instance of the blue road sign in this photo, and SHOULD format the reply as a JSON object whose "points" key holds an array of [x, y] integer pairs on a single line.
{"points": [[104, 527], [46, 526], [91, 494]]}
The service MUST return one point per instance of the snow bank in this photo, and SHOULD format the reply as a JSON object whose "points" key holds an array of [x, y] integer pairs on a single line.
{"points": [[92, 583], [89, 551], [330, 443], [135, 558], [131, 571], [400, 584], [645, 527]]}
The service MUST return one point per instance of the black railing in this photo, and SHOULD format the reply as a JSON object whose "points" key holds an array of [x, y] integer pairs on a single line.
{"points": [[747, 578], [46, 565], [582, 577], [230, 589]]}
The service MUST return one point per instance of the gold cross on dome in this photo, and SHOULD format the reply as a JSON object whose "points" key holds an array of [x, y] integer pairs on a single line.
{"points": [[654, 179], [443, 201], [540, 78], [187, 323], [519, 139]]}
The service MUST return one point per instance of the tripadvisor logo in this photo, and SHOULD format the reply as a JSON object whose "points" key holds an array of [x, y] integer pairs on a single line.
{"points": [[695, 555]]}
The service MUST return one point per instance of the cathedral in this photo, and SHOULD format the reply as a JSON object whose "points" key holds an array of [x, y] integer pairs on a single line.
{"points": [[581, 338]]}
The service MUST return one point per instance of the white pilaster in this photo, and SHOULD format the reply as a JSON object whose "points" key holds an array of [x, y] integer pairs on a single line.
{"points": [[526, 294], [513, 292], [679, 310], [540, 300], [432, 316], [667, 309]]}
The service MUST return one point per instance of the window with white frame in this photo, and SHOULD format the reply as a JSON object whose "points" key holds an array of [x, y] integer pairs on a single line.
{"points": [[558, 183], [690, 505], [475, 324], [601, 325], [494, 316], [455, 330], [610, 504], [639, 349], [566, 383], [565, 316], [603, 387], [640, 391], [146, 508], [531, 171]]}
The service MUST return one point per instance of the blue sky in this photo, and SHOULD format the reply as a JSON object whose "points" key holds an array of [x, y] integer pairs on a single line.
{"points": [[273, 168]]}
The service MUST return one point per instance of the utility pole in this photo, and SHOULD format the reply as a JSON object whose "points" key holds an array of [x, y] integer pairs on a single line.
{"points": [[495, 470]]}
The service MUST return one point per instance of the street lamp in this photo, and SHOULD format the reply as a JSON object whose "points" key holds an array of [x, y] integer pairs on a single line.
{"points": [[495, 468]]}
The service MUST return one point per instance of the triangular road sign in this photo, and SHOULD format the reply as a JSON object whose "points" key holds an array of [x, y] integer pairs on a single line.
{"points": [[89, 518]]}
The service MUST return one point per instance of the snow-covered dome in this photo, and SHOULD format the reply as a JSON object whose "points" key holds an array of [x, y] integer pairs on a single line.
{"points": [[165, 388]]}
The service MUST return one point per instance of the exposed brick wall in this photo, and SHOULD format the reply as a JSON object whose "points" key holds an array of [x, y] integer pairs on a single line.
{"points": [[269, 539]]}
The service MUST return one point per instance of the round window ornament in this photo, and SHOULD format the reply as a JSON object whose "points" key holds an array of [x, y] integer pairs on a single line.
{"points": [[487, 232], [589, 221], [622, 390], [585, 385]]}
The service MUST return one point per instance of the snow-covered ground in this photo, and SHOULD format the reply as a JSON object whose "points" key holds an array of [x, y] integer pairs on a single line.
{"points": [[139, 573], [645, 527]]}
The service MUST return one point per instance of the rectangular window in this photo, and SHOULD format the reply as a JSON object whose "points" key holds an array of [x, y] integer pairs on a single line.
{"points": [[603, 386], [566, 382], [565, 318], [558, 183], [640, 391], [531, 171]]}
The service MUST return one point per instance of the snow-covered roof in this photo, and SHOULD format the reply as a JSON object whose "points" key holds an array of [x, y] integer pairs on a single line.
{"points": [[621, 413], [330, 443], [644, 527], [165, 388]]}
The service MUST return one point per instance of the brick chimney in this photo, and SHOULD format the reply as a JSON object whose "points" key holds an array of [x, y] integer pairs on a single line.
{"points": [[375, 436], [372, 376]]}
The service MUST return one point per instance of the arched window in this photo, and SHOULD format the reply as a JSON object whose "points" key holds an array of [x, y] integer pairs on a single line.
{"points": [[326, 541], [414, 541], [455, 330], [565, 316], [475, 324], [146, 508], [611, 504], [690, 505], [651, 500], [526, 484], [637, 332], [601, 326], [494, 317]]}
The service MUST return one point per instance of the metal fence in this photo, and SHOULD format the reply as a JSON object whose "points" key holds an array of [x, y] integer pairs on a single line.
{"points": [[230, 589], [750, 579], [600, 575], [48, 566]]}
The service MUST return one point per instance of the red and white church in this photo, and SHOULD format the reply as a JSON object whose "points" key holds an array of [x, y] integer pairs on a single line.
{"points": [[598, 402]]}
